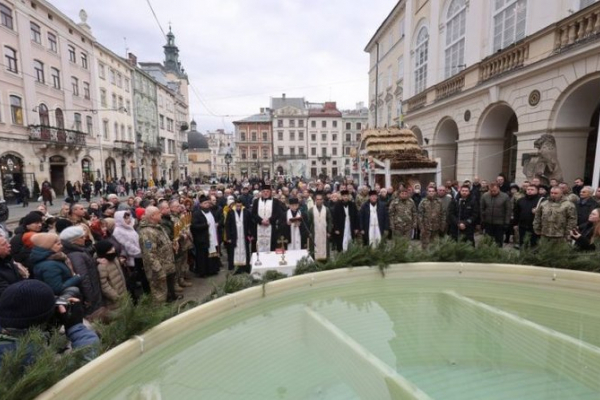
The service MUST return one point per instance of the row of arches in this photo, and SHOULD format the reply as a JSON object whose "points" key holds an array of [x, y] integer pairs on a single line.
{"points": [[498, 146]]}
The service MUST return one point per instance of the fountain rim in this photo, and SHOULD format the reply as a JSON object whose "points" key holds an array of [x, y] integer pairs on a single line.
{"points": [[97, 371]]}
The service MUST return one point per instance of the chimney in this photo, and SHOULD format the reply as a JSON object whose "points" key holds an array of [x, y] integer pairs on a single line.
{"points": [[283, 96], [132, 59]]}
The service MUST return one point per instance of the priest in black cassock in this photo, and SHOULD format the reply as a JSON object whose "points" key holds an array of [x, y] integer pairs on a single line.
{"points": [[345, 222], [374, 220], [267, 214], [206, 243], [238, 228]]}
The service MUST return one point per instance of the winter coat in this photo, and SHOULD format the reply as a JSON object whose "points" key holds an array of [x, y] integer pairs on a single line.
{"points": [[465, 211], [524, 211], [112, 281], [584, 209], [495, 210], [584, 242], [128, 237], [9, 273], [53, 272], [85, 266], [555, 219]]}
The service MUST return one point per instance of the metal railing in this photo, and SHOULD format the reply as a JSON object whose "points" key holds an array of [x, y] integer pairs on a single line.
{"points": [[51, 134]]}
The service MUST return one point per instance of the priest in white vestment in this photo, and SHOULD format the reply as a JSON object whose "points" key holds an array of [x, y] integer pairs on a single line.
{"points": [[321, 225], [267, 214], [296, 226]]}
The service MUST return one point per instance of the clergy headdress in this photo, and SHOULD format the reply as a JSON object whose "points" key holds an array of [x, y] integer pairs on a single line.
{"points": [[293, 200]]}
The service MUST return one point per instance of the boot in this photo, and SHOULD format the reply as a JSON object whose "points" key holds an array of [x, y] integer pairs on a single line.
{"points": [[178, 289], [183, 283]]}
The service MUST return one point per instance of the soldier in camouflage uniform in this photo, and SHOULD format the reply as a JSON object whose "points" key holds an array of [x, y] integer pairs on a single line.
{"points": [[169, 227], [157, 253], [362, 197], [432, 218], [184, 242], [403, 215], [556, 217]]}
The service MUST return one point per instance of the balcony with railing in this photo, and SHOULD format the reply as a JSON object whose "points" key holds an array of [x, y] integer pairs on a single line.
{"points": [[284, 157], [574, 31], [124, 146], [58, 136]]}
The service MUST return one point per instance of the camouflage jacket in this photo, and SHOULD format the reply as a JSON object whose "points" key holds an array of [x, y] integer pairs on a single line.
{"points": [[431, 215], [157, 250], [403, 214], [555, 219]]}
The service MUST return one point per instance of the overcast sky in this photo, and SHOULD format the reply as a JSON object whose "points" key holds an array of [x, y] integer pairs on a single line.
{"points": [[240, 53]]}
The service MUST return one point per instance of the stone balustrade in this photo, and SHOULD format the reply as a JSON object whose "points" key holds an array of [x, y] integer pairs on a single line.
{"points": [[507, 60], [578, 27]]}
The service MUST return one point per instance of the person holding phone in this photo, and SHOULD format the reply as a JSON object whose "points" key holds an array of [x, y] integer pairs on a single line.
{"points": [[586, 238]]}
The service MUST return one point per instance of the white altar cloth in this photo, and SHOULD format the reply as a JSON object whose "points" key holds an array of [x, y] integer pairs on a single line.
{"points": [[270, 262]]}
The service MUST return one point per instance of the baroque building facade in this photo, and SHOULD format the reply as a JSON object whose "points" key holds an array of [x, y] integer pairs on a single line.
{"points": [[499, 87], [290, 121], [71, 109], [254, 146]]}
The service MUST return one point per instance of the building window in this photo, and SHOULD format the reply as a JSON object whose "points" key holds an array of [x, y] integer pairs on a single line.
{"points": [[334, 137], [75, 85], [44, 116], [348, 137], [130, 133], [265, 153], [301, 150], [313, 137], [78, 122], [84, 60], [389, 115], [116, 130], [161, 120], [105, 128], [313, 151], [90, 125], [334, 151], [52, 42], [103, 98], [358, 137], [243, 136], [292, 135], [401, 28], [323, 137], [55, 77], [292, 151], [111, 73], [128, 107], [300, 135], [347, 150], [400, 67], [127, 83], [509, 22], [254, 154], [60, 118], [72, 56], [323, 124], [358, 128], [253, 136], [86, 90], [10, 55], [265, 136], [121, 105], [280, 135], [455, 37], [114, 101], [292, 123], [38, 66], [119, 80], [324, 151], [300, 123], [6, 18], [36, 33], [280, 123], [280, 151], [348, 126], [421, 60], [334, 124], [123, 132], [101, 71]]}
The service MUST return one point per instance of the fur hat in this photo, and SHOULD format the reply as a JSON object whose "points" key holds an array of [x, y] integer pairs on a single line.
{"points": [[62, 224], [32, 218], [72, 233], [26, 303], [44, 240], [103, 247]]}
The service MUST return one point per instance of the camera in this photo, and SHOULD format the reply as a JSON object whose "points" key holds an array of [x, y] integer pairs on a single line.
{"points": [[70, 292]]}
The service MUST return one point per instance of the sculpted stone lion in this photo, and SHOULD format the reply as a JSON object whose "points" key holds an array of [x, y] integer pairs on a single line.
{"points": [[544, 165]]}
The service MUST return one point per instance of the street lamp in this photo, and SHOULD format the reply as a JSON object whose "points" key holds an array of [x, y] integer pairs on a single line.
{"points": [[228, 159]]}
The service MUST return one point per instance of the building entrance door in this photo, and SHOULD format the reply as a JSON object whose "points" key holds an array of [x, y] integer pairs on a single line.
{"points": [[57, 174]]}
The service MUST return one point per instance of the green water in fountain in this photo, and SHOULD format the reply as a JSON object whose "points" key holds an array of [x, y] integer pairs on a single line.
{"points": [[386, 338]]}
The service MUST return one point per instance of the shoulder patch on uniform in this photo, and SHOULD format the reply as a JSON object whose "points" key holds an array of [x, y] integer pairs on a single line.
{"points": [[148, 244]]}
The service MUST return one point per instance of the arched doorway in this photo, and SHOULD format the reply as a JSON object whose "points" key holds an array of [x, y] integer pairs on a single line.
{"points": [[110, 169], [417, 131], [497, 144], [11, 168], [154, 165], [446, 148], [57, 174], [123, 168], [87, 173], [576, 129], [280, 170]]}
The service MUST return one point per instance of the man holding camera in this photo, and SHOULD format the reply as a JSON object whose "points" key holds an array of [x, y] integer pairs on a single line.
{"points": [[555, 218], [31, 303]]}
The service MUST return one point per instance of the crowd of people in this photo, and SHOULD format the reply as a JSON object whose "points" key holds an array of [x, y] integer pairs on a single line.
{"points": [[156, 239]]}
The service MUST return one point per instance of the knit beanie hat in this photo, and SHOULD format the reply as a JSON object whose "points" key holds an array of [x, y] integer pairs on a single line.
{"points": [[103, 247], [44, 240], [72, 233], [27, 239], [62, 224], [139, 213], [32, 218], [26, 303]]}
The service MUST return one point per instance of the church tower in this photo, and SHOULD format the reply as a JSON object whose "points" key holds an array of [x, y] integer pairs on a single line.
{"points": [[172, 63]]}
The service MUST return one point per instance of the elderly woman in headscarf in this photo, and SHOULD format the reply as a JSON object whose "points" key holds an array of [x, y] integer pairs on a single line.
{"points": [[129, 239]]}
